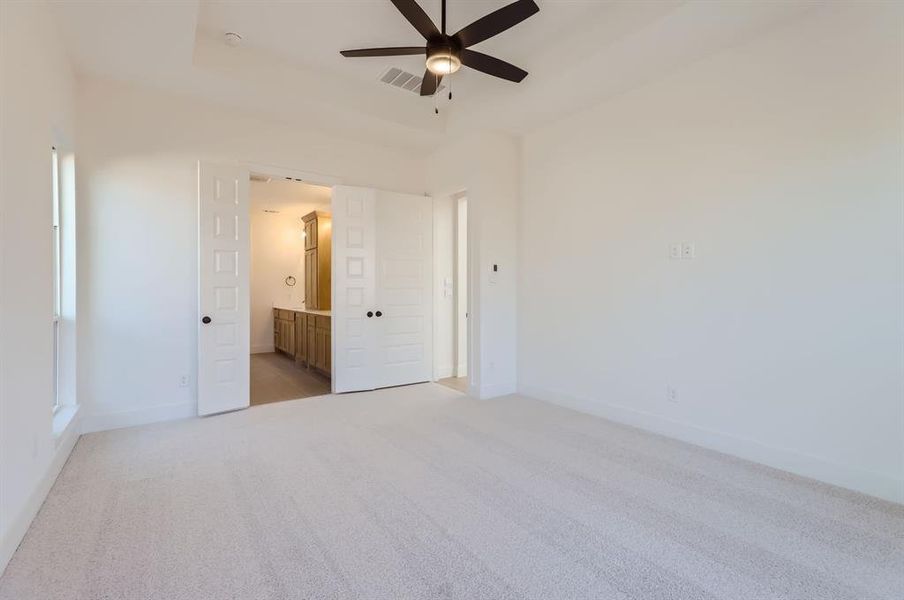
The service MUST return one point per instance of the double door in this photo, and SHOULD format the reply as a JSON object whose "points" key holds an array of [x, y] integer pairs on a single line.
{"points": [[382, 288]]}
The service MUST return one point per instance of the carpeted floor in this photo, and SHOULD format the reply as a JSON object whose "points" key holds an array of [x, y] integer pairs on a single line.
{"points": [[420, 492]]}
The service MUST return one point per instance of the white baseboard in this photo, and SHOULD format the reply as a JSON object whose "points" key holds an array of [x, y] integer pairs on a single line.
{"points": [[494, 390], [142, 416], [262, 349], [867, 482], [461, 370], [20, 523]]}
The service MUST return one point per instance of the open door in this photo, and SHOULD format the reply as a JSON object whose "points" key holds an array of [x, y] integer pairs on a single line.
{"points": [[354, 266], [382, 288], [223, 289]]}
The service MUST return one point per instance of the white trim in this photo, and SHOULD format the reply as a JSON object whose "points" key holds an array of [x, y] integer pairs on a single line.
{"points": [[846, 476], [140, 416], [63, 419], [19, 525], [443, 372]]}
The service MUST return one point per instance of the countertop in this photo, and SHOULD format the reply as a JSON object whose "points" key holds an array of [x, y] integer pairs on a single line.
{"points": [[310, 311]]}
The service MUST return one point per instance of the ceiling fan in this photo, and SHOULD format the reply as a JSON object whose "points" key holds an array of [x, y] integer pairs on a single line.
{"points": [[447, 53]]}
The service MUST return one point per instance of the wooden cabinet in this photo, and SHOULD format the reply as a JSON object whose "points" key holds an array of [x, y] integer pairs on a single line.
{"points": [[310, 336], [317, 260], [306, 336], [310, 232], [323, 344], [284, 330], [301, 348]]}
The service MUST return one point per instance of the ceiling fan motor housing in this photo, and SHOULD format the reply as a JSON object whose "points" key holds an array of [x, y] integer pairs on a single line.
{"points": [[443, 56]]}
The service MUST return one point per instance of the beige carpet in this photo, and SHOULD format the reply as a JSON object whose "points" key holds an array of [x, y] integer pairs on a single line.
{"points": [[421, 492]]}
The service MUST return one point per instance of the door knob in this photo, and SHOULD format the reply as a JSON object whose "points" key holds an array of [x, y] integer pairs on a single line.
{"points": [[205, 320], [379, 314], [370, 314]]}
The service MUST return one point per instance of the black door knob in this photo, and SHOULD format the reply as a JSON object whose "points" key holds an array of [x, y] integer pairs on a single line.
{"points": [[205, 320], [379, 314], [370, 314]]}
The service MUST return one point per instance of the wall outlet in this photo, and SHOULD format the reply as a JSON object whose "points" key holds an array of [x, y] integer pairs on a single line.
{"points": [[687, 250], [184, 381], [671, 393], [674, 251]]}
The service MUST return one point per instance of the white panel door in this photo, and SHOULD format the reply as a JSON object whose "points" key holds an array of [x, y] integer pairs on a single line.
{"points": [[223, 289], [404, 289], [353, 289]]}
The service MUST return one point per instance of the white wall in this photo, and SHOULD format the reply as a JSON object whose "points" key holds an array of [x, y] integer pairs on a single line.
{"points": [[487, 166], [138, 265], [35, 113], [782, 160]]}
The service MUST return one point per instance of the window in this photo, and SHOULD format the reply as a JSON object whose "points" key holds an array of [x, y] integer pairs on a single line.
{"points": [[57, 278]]}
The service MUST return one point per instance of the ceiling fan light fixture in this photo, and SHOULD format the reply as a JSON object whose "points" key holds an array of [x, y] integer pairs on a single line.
{"points": [[443, 61]]}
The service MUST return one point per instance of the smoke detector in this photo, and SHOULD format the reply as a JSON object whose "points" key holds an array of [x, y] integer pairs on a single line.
{"points": [[232, 39]]}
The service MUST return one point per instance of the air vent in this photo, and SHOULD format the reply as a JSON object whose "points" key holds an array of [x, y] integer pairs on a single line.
{"points": [[404, 80], [260, 178]]}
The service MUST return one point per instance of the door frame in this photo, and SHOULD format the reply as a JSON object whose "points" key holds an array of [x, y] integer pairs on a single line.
{"points": [[471, 278], [310, 177]]}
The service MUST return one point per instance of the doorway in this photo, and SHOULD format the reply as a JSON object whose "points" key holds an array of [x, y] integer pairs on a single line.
{"points": [[289, 239], [458, 379], [376, 273]]}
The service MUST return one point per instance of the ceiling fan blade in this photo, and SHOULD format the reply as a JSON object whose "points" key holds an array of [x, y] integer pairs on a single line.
{"points": [[412, 11], [492, 66], [496, 22], [400, 51], [430, 83]]}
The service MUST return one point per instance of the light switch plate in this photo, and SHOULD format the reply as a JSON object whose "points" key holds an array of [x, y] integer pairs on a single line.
{"points": [[674, 251], [688, 250]]}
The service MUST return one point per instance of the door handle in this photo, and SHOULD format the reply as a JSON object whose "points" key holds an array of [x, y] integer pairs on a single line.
{"points": [[370, 314], [205, 319], [379, 314]]}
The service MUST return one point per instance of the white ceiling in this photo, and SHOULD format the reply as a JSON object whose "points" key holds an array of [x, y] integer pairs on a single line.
{"points": [[289, 197], [578, 52]]}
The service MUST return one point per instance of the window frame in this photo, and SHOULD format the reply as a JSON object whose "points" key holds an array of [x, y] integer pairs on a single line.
{"points": [[56, 244]]}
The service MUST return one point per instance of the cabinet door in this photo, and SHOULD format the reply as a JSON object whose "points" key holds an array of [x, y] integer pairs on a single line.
{"points": [[290, 338], [311, 341], [328, 358], [321, 350], [281, 335], [311, 288], [300, 346], [310, 234]]}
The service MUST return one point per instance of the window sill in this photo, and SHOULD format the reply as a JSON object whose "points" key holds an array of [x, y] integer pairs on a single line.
{"points": [[63, 420]]}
